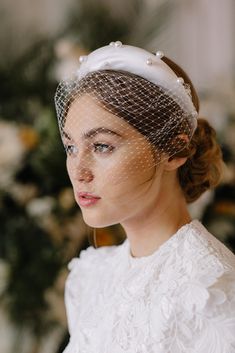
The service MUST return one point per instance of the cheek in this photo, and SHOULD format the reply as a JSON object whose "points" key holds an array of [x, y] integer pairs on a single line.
{"points": [[127, 169], [126, 183]]}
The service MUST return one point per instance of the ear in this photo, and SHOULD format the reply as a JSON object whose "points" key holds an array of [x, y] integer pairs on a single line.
{"points": [[173, 164]]}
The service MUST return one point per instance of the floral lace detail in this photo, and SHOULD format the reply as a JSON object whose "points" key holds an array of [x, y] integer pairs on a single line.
{"points": [[179, 299]]}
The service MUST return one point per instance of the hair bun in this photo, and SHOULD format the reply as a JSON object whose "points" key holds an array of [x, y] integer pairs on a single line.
{"points": [[203, 168]]}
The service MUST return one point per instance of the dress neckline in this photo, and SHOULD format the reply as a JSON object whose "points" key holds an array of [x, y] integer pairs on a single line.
{"points": [[136, 261]]}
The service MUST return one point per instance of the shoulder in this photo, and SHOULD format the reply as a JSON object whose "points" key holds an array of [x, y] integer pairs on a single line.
{"points": [[84, 274], [92, 257], [196, 256], [205, 250], [208, 267], [89, 262], [207, 294], [199, 299]]}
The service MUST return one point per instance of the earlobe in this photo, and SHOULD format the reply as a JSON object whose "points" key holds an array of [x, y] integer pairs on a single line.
{"points": [[172, 164]]}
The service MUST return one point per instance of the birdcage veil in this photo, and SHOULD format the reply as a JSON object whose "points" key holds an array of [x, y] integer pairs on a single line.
{"points": [[125, 107]]}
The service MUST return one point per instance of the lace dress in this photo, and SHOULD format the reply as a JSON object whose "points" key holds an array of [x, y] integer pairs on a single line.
{"points": [[180, 299]]}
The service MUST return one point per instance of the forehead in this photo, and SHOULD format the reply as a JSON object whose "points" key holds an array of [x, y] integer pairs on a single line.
{"points": [[86, 113]]}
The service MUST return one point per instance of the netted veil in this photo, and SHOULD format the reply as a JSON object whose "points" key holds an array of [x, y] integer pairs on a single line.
{"points": [[135, 95]]}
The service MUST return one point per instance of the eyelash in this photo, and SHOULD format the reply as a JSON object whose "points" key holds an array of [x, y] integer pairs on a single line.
{"points": [[68, 149], [96, 147], [109, 148]]}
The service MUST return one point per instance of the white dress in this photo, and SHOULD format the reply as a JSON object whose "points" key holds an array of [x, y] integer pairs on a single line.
{"points": [[180, 299]]}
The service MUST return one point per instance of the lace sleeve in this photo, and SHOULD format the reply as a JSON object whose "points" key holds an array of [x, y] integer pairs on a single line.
{"points": [[216, 321], [75, 282], [206, 315], [199, 317]]}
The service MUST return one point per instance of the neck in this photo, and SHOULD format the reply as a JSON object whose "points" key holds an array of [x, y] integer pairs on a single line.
{"points": [[155, 224]]}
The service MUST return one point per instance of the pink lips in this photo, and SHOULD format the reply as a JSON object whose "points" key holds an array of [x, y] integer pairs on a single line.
{"points": [[86, 199]]}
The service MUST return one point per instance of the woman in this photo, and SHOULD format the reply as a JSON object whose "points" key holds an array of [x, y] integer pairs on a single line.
{"points": [[137, 154]]}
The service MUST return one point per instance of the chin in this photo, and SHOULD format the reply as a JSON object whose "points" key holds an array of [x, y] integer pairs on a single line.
{"points": [[96, 222]]}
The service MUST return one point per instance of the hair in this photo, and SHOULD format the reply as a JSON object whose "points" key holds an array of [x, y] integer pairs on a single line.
{"points": [[203, 167]]}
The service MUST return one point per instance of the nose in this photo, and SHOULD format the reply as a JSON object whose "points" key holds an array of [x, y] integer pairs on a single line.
{"points": [[82, 166], [84, 175]]}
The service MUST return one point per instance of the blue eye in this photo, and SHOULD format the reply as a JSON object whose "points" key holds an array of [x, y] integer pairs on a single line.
{"points": [[71, 149], [103, 148]]}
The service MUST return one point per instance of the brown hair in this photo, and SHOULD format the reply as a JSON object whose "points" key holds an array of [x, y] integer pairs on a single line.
{"points": [[202, 169]]}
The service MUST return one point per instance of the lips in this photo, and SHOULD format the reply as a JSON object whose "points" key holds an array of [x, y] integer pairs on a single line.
{"points": [[86, 199]]}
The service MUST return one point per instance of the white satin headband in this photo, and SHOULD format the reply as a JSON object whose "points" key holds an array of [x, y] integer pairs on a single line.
{"points": [[117, 56]]}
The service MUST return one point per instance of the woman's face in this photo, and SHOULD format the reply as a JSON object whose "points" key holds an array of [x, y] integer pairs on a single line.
{"points": [[110, 164]]}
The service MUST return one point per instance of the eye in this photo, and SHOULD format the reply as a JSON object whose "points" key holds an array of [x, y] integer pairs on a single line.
{"points": [[71, 149], [103, 148]]}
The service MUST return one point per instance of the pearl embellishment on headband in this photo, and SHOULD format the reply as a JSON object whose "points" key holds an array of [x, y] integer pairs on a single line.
{"points": [[82, 58], [159, 54], [180, 80], [118, 44]]}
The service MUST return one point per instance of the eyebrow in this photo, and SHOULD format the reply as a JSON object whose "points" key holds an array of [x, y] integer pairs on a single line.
{"points": [[93, 132]]}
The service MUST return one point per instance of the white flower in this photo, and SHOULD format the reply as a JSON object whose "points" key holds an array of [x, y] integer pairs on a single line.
{"points": [[40, 207]]}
